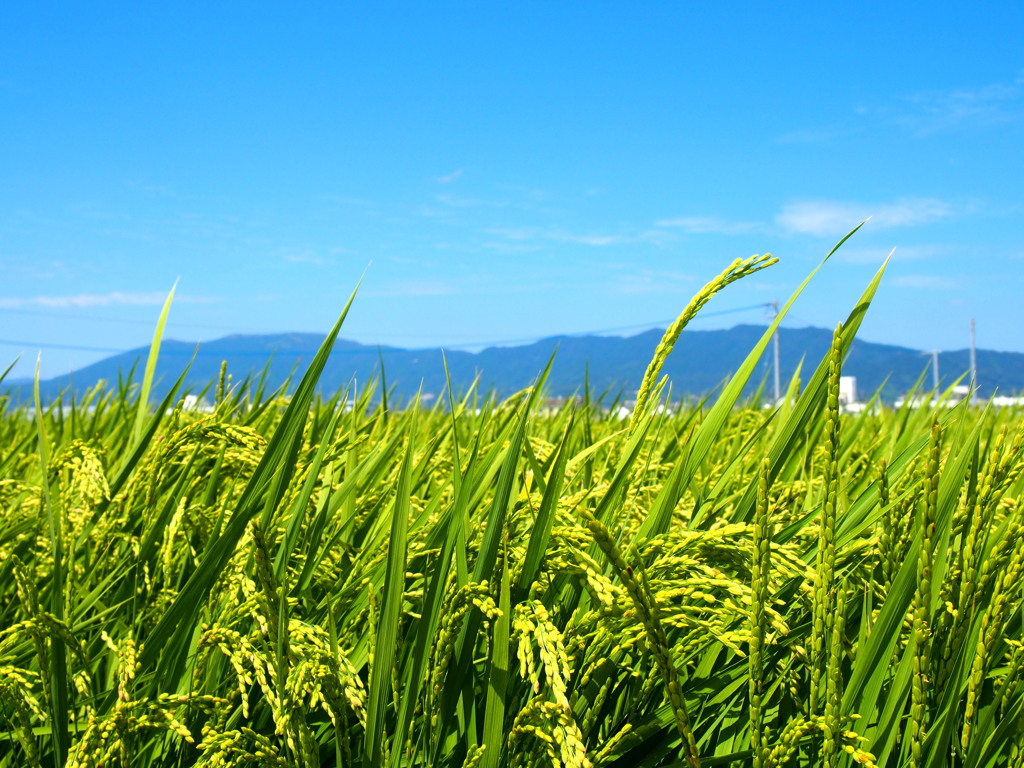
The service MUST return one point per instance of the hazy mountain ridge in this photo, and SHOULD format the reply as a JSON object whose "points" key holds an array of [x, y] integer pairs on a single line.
{"points": [[699, 363]]}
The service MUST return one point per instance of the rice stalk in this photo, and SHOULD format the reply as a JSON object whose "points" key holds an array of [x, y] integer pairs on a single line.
{"points": [[760, 580], [922, 626], [824, 572], [739, 269]]}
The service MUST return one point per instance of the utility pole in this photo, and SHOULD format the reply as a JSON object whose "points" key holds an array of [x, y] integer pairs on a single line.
{"points": [[775, 345]]}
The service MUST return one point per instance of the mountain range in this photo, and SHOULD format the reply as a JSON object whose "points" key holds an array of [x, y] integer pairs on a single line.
{"points": [[699, 363]]}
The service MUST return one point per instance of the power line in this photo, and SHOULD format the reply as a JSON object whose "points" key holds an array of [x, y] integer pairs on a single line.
{"points": [[464, 345], [45, 345], [596, 332], [120, 320], [233, 329]]}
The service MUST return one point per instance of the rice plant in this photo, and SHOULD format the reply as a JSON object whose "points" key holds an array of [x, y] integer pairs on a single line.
{"points": [[292, 580]]}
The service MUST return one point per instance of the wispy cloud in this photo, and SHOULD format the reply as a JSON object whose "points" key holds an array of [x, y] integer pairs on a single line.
{"points": [[457, 201], [511, 246], [519, 234], [523, 235], [304, 257], [936, 111], [830, 218], [944, 110], [87, 300], [527, 195], [412, 288], [448, 178], [928, 282], [925, 113], [639, 281], [589, 239], [900, 253], [36, 269], [708, 225]]}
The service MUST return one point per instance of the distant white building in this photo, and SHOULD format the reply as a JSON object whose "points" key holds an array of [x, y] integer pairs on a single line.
{"points": [[847, 390], [625, 411], [1003, 401], [957, 394], [848, 402]]}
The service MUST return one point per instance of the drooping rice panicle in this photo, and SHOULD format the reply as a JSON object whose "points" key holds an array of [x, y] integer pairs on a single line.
{"points": [[832, 725], [1006, 598], [922, 632], [760, 594], [887, 534], [739, 269], [824, 572]]}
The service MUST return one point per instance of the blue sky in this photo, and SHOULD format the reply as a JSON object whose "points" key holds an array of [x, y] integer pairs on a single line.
{"points": [[502, 171]]}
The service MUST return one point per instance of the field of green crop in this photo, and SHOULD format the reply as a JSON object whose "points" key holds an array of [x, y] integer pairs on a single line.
{"points": [[295, 581]]}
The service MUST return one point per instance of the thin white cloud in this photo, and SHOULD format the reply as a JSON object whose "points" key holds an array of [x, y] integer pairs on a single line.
{"points": [[432, 212], [512, 247], [926, 112], [656, 236], [448, 178], [929, 282], [830, 218], [594, 240], [304, 258], [514, 233], [640, 281], [935, 111], [708, 225], [900, 253], [527, 234], [411, 288], [87, 300], [456, 201], [945, 110]]}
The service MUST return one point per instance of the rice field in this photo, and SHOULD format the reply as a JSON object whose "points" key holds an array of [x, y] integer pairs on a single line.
{"points": [[306, 580]]}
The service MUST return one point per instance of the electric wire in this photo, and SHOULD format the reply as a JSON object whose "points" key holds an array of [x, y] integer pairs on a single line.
{"points": [[654, 324]]}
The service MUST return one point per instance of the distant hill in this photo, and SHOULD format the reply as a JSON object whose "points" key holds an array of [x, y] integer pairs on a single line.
{"points": [[699, 363]]}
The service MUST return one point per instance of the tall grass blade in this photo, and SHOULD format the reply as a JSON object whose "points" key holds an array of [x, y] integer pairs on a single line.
{"points": [[57, 672], [171, 630], [142, 409], [379, 700]]}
